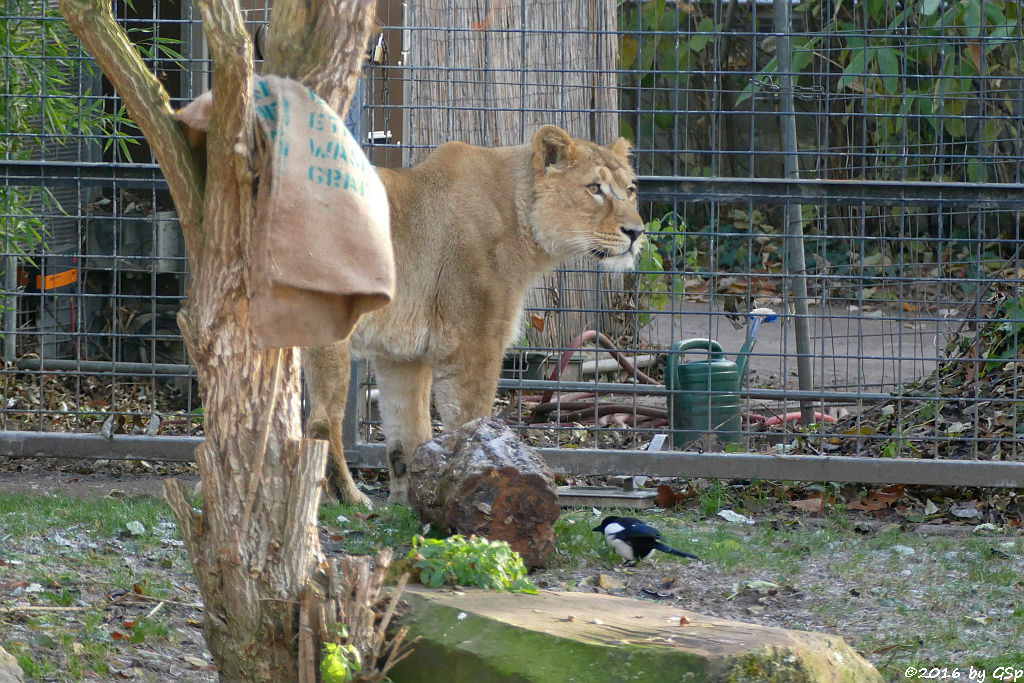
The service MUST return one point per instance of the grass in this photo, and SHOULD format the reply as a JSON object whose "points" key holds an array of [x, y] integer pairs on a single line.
{"points": [[31, 515], [900, 598], [363, 533], [80, 554]]}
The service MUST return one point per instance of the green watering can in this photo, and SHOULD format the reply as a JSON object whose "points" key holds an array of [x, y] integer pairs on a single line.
{"points": [[704, 396]]}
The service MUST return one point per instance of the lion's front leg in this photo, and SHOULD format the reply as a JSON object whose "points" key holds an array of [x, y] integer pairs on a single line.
{"points": [[405, 413], [465, 389]]}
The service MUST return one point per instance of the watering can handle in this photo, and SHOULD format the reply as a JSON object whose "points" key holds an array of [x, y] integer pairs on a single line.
{"points": [[711, 345]]}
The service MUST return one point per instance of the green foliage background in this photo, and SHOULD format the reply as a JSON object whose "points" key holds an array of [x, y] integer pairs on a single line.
{"points": [[42, 62]]}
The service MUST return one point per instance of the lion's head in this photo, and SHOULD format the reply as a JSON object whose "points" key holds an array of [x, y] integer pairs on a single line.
{"points": [[585, 199]]}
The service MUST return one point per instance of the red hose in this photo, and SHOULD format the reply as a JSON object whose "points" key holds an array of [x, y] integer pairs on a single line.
{"points": [[579, 341]]}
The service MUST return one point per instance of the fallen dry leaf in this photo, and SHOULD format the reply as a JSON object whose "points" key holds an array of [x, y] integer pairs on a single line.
{"points": [[814, 505], [667, 496], [879, 500], [12, 585]]}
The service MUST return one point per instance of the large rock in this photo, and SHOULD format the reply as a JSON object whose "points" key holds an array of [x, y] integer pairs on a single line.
{"points": [[479, 636], [10, 672], [482, 479]]}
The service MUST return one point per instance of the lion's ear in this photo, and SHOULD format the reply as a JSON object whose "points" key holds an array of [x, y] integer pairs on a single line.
{"points": [[552, 145], [621, 147]]}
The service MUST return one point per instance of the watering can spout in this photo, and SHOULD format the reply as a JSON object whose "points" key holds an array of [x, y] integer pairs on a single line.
{"points": [[757, 316]]}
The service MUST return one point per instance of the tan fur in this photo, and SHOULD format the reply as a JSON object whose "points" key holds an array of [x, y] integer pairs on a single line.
{"points": [[472, 229]]}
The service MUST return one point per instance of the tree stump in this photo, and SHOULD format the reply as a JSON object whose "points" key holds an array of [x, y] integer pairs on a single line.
{"points": [[482, 479]]}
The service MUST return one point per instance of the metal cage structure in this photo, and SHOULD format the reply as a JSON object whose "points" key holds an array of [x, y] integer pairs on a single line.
{"points": [[833, 194]]}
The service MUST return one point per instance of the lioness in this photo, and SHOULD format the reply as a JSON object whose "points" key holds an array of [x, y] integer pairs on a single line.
{"points": [[472, 228]]}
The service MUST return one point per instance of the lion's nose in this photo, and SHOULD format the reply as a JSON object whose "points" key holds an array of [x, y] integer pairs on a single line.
{"points": [[632, 232]]}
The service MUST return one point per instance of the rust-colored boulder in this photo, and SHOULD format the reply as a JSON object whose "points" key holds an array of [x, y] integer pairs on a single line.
{"points": [[482, 479]]}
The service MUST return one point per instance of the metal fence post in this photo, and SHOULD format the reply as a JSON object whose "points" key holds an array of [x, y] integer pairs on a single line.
{"points": [[794, 227], [10, 307], [350, 423]]}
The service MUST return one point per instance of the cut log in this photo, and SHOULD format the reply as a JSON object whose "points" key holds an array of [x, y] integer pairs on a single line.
{"points": [[481, 479]]}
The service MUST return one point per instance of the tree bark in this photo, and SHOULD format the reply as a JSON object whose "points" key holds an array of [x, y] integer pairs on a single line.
{"points": [[254, 545], [481, 479]]}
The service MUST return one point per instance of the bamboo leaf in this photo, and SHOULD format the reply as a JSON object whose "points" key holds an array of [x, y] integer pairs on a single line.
{"points": [[855, 69], [889, 68]]}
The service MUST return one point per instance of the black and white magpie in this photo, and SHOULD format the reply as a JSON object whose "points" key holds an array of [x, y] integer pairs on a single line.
{"points": [[632, 540]]}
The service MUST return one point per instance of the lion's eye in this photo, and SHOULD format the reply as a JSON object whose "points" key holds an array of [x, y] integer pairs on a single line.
{"points": [[594, 188], [631, 191]]}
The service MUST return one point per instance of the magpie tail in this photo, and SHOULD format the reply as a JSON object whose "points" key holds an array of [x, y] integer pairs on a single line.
{"points": [[672, 551]]}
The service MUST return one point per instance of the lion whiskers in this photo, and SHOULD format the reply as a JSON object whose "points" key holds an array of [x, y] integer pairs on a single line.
{"points": [[611, 255]]}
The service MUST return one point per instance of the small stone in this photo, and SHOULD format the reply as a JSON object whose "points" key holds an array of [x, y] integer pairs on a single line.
{"points": [[607, 581]]}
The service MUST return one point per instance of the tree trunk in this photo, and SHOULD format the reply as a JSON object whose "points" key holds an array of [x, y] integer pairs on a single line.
{"points": [[481, 479], [493, 78], [254, 545]]}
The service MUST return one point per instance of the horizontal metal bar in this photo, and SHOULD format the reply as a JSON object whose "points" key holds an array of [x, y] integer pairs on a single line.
{"points": [[587, 462], [660, 390], [664, 188], [98, 447], [105, 367], [789, 467], [831, 396], [806, 191], [596, 387], [579, 461], [25, 173]]}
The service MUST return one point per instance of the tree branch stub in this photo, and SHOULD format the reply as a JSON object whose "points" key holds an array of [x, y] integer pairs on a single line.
{"points": [[330, 63]]}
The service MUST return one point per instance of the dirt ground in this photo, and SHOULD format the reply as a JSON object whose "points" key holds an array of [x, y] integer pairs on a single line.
{"points": [[51, 481]]}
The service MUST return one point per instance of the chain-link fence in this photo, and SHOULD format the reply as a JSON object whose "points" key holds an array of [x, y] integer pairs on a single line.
{"points": [[832, 190]]}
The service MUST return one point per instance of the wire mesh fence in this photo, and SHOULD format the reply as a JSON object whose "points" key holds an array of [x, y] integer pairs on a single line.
{"points": [[832, 194]]}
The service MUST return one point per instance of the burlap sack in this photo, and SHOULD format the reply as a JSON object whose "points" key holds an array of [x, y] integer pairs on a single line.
{"points": [[321, 253]]}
